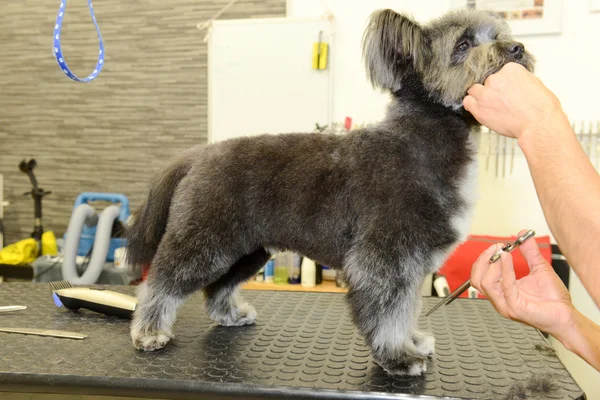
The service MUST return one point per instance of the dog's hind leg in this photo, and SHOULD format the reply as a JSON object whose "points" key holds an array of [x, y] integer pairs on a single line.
{"points": [[382, 296], [223, 304], [176, 272]]}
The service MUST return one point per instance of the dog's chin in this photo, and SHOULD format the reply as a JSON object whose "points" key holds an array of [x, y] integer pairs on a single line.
{"points": [[526, 62]]}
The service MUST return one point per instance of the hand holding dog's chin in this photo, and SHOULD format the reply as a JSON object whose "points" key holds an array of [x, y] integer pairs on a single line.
{"points": [[515, 103]]}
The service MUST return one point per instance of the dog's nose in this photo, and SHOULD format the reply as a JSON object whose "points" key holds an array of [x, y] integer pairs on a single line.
{"points": [[516, 49]]}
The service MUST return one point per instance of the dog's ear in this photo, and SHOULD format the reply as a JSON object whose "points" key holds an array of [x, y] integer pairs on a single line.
{"points": [[392, 44]]}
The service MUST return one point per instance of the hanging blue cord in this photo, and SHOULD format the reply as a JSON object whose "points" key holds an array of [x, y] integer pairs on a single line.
{"points": [[58, 53]]}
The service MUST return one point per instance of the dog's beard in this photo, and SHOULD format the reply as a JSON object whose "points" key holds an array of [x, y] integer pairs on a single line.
{"points": [[525, 62]]}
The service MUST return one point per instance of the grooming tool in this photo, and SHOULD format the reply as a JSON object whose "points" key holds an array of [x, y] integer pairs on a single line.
{"points": [[45, 332], [99, 300], [12, 308], [596, 146], [589, 140], [510, 247], [497, 153], [579, 130], [489, 152], [588, 135], [495, 257]]}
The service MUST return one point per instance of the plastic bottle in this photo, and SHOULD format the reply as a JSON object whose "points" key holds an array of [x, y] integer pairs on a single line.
{"points": [[294, 274], [269, 271], [283, 262], [309, 273]]}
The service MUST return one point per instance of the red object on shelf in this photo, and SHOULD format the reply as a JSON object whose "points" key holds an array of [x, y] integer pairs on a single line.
{"points": [[348, 123], [457, 268]]}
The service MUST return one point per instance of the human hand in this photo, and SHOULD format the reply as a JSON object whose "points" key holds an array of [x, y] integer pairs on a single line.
{"points": [[539, 299], [514, 101]]}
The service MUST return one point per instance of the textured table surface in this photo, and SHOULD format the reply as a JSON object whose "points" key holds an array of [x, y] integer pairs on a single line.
{"points": [[303, 345]]}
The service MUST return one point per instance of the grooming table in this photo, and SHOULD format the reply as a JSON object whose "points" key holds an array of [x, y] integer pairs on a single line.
{"points": [[303, 345]]}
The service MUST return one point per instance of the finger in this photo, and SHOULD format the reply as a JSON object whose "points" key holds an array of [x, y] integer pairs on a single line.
{"points": [[492, 287], [490, 283], [509, 282], [531, 252], [481, 265], [476, 90], [471, 105]]}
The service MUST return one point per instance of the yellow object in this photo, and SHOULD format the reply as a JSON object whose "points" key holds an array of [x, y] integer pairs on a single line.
{"points": [[320, 51], [25, 251], [22, 252], [49, 246]]}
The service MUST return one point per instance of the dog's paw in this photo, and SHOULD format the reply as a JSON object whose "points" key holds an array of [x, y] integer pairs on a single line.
{"points": [[407, 365], [243, 314], [417, 368], [425, 345], [247, 314], [151, 341]]}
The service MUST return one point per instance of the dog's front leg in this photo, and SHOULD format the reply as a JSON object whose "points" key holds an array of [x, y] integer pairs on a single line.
{"points": [[384, 302]]}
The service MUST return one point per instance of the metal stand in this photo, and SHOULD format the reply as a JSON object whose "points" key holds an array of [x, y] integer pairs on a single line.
{"points": [[37, 193]]}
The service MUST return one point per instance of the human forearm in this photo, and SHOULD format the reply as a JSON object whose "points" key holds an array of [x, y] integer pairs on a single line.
{"points": [[568, 187], [581, 337]]}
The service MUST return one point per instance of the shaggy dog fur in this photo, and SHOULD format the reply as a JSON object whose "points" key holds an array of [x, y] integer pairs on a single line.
{"points": [[385, 204]]}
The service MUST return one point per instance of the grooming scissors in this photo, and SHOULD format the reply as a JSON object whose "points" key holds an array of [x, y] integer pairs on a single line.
{"points": [[495, 257]]}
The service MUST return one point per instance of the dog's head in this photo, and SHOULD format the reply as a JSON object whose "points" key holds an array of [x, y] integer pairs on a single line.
{"points": [[448, 55]]}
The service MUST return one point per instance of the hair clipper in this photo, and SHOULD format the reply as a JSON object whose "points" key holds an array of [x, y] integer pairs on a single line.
{"points": [[99, 300]]}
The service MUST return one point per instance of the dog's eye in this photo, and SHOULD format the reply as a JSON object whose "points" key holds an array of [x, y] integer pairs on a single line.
{"points": [[462, 47]]}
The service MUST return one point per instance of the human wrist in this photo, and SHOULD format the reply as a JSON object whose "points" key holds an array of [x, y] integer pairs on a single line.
{"points": [[537, 135], [582, 337], [570, 333]]}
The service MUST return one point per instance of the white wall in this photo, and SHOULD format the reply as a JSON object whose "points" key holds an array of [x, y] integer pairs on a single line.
{"points": [[353, 96], [567, 63]]}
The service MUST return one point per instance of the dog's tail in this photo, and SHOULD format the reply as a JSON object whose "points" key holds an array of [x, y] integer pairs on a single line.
{"points": [[148, 224]]}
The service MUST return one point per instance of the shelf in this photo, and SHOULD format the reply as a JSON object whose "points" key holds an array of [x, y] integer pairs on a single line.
{"points": [[326, 286]]}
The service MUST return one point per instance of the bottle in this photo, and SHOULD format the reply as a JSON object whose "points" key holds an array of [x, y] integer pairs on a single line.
{"points": [[283, 262], [269, 271], [309, 273], [319, 279], [295, 269]]}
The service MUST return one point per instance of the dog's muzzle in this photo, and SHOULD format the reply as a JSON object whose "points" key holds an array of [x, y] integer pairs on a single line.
{"points": [[515, 50]]}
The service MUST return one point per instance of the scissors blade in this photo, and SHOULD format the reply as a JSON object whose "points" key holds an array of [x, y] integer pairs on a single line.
{"points": [[451, 297]]}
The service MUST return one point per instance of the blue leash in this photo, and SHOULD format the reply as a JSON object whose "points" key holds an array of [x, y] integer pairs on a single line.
{"points": [[58, 52]]}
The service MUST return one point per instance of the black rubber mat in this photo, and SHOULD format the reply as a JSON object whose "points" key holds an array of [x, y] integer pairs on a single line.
{"points": [[303, 345]]}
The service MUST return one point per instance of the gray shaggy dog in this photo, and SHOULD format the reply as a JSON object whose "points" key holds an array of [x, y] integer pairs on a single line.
{"points": [[386, 204]]}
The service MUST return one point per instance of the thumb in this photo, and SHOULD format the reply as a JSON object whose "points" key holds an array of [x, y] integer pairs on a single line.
{"points": [[471, 105], [531, 252]]}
